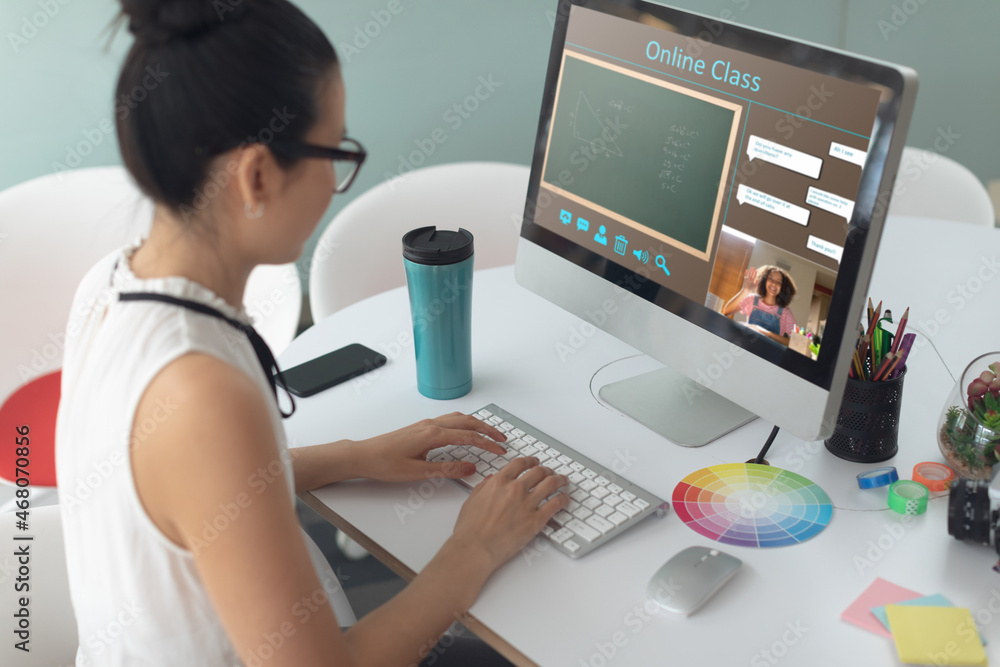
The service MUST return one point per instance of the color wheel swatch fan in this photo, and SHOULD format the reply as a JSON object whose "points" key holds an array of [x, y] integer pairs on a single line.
{"points": [[752, 505]]}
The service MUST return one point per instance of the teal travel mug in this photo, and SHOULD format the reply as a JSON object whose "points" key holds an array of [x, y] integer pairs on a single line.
{"points": [[439, 278]]}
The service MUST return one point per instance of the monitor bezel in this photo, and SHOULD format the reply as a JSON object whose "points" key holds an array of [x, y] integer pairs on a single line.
{"points": [[869, 211]]}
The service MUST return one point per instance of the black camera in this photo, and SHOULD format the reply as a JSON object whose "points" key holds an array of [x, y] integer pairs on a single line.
{"points": [[974, 511]]}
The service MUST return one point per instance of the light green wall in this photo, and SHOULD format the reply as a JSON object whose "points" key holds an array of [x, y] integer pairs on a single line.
{"points": [[57, 86]]}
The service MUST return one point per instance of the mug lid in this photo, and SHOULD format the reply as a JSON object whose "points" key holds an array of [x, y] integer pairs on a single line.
{"points": [[429, 245]]}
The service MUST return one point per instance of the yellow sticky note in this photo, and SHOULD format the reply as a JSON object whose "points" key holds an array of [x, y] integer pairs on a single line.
{"points": [[935, 635]]}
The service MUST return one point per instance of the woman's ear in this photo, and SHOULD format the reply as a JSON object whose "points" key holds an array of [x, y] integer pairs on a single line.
{"points": [[253, 164]]}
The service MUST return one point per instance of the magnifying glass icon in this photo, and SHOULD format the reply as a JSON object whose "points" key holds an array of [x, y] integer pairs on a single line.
{"points": [[662, 263]]}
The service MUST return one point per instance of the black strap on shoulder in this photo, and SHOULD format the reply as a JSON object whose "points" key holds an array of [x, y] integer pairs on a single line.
{"points": [[260, 347]]}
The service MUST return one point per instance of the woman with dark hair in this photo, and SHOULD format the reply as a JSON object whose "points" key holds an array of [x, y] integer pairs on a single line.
{"points": [[767, 292], [187, 543]]}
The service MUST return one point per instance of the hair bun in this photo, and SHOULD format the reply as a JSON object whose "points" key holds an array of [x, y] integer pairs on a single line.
{"points": [[160, 21]]}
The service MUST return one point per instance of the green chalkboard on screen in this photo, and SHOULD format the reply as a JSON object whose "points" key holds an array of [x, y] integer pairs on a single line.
{"points": [[648, 153]]}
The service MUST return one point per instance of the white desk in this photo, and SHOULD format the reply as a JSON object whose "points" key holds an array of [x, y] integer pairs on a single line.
{"points": [[544, 608]]}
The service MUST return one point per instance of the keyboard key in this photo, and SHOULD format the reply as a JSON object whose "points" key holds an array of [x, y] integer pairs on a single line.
{"points": [[554, 452], [483, 467], [494, 420], [540, 445], [505, 426], [614, 488], [583, 530], [577, 466], [571, 546], [564, 470], [516, 444], [580, 495], [562, 535], [528, 451], [600, 524], [612, 500], [475, 479], [581, 513], [627, 495], [562, 517], [600, 492], [617, 518], [499, 463], [485, 413], [528, 439], [510, 454], [459, 452], [575, 478], [479, 417], [640, 503], [589, 474], [547, 531], [591, 503], [602, 480], [572, 505], [487, 456], [516, 432], [588, 485], [565, 460], [628, 509], [604, 511], [550, 463], [470, 458], [542, 456]]}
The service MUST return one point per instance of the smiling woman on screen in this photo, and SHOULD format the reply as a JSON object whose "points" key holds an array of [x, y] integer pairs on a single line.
{"points": [[765, 298], [193, 535]]}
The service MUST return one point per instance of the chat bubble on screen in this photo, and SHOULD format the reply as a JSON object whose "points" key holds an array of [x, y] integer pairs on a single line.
{"points": [[825, 247], [831, 203], [582, 225], [772, 204], [783, 156], [848, 154]]}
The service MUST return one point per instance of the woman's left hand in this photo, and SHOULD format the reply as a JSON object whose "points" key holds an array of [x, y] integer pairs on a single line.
{"points": [[401, 456]]}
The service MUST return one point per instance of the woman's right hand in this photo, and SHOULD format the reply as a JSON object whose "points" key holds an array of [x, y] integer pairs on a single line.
{"points": [[750, 280], [505, 511]]}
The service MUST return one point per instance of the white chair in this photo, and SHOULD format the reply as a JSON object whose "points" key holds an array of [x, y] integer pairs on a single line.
{"points": [[52, 230], [360, 251], [53, 634], [930, 185]]}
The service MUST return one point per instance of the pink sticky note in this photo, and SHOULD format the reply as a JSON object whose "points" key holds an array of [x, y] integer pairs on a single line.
{"points": [[881, 592]]}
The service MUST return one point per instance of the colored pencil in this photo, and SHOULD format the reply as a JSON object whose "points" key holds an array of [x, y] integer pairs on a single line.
{"points": [[883, 367], [897, 366], [899, 330]]}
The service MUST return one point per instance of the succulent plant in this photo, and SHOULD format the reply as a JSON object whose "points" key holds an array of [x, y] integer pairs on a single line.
{"points": [[974, 431]]}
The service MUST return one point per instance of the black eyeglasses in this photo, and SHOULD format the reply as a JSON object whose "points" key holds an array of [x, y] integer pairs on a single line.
{"points": [[347, 159]]}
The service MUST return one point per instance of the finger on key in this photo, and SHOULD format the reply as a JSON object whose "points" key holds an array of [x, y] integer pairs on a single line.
{"points": [[547, 487], [534, 476], [516, 466]]}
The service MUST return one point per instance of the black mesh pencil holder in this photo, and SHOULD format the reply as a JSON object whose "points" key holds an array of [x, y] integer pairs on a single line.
{"points": [[868, 422]]}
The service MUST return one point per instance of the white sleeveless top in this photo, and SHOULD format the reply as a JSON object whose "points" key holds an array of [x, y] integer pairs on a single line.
{"points": [[137, 596]]}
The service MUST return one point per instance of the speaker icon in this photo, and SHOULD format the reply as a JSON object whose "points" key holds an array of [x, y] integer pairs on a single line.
{"points": [[641, 255]]}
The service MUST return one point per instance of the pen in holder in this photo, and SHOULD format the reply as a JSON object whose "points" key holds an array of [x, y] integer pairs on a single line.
{"points": [[868, 422]]}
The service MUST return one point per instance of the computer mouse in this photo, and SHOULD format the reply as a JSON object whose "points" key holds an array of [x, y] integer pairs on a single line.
{"points": [[686, 582]]}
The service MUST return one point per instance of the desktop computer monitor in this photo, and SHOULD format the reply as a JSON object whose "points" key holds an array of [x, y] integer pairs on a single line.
{"points": [[674, 153]]}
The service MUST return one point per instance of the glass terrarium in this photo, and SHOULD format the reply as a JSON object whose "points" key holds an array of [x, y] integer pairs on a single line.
{"points": [[969, 428]]}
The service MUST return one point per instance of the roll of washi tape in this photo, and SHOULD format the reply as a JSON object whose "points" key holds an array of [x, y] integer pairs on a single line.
{"points": [[908, 497], [935, 476], [871, 479]]}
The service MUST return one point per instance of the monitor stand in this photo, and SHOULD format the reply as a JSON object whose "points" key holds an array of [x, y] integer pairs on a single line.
{"points": [[678, 408]]}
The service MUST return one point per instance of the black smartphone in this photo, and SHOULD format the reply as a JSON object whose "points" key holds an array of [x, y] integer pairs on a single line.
{"points": [[331, 369]]}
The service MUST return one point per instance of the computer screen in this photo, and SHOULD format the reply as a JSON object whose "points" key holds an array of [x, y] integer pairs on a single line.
{"points": [[734, 180]]}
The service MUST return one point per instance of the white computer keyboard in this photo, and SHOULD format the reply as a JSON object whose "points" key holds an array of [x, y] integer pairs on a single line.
{"points": [[602, 504]]}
